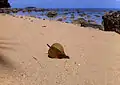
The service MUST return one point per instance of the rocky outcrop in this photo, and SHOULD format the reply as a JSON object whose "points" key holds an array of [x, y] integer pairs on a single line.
{"points": [[90, 23], [4, 4], [111, 21]]}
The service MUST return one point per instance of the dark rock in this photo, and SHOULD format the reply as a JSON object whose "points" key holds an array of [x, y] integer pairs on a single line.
{"points": [[78, 11], [85, 23], [51, 14], [88, 16], [96, 26], [24, 10], [65, 13], [66, 22], [111, 21], [60, 19], [21, 16], [5, 10], [97, 15], [83, 14], [79, 21], [92, 21], [4, 4], [72, 16], [15, 10]]}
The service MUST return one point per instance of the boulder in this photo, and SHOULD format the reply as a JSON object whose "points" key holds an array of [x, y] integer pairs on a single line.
{"points": [[4, 4], [51, 14], [111, 21], [59, 19]]}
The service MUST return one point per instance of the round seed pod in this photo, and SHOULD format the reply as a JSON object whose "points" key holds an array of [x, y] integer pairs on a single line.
{"points": [[56, 51]]}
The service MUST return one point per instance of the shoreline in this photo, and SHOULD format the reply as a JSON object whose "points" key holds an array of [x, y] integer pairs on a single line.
{"points": [[75, 22]]}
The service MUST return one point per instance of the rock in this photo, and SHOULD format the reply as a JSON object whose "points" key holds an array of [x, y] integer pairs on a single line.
{"points": [[65, 13], [5, 10], [4, 4], [83, 14], [24, 10], [88, 16], [85, 23], [44, 26], [51, 14], [60, 19], [79, 21], [64, 17], [111, 21], [97, 15], [72, 16], [92, 21], [15, 10], [96, 26]]}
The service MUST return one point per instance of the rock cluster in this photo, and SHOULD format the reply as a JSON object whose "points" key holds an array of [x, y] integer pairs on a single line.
{"points": [[111, 21], [89, 23]]}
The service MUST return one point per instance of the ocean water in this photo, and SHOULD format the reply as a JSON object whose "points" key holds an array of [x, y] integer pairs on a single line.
{"points": [[94, 14]]}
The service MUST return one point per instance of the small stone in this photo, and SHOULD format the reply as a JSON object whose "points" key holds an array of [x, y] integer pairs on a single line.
{"points": [[31, 20], [44, 26], [75, 63]]}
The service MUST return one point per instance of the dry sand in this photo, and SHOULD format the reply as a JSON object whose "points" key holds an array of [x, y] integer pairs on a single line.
{"points": [[94, 55]]}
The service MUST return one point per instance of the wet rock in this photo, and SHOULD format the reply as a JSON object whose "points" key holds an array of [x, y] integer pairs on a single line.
{"points": [[65, 13], [111, 21], [97, 15], [88, 16], [51, 14], [72, 16], [83, 14], [78, 11]]}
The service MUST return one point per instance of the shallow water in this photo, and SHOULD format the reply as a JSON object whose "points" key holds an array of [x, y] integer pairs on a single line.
{"points": [[66, 14]]}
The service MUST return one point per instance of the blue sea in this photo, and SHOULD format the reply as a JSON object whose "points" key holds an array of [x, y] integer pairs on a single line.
{"points": [[94, 14]]}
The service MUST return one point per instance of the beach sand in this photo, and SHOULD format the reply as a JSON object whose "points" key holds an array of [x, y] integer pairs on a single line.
{"points": [[94, 54]]}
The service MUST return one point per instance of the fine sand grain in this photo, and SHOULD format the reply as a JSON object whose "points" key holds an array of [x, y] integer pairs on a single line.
{"points": [[94, 55]]}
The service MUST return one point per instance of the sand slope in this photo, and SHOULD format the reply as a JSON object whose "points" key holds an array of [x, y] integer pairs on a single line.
{"points": [[94, 55]]}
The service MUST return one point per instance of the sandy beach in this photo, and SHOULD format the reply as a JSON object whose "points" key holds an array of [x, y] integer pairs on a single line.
{"points": [[94, 54]]}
